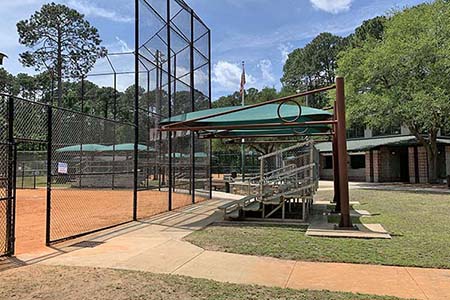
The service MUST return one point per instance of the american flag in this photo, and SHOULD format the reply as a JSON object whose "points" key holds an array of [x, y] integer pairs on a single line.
{"points": [[243, 80]]}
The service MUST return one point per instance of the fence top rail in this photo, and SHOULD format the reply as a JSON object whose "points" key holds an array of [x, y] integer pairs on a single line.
{"points": [[25, 100], [66, 110]]}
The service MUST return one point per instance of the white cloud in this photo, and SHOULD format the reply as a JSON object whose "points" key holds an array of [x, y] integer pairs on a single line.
{"points": [[201, 78], [266, 68], [332, 6], [228, 76], [88, 9], [123, 45], [285, 50]]}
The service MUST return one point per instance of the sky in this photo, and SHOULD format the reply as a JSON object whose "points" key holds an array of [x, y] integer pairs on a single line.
{"points": [[260, 32]]}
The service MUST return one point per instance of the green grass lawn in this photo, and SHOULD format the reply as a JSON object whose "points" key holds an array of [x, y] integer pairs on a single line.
{"points": [[29, 181], [419, 225], [73, 283]]}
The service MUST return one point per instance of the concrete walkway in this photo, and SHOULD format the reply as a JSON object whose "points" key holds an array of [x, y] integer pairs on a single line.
{"points": [[397, 187], [157, 246]]}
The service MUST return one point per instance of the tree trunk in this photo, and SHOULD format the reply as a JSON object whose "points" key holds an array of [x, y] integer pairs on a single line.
{"points": [[432, 155]]}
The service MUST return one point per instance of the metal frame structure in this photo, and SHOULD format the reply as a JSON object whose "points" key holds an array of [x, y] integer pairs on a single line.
{"points": [[337, 131], [177, 55], [172, 74]]}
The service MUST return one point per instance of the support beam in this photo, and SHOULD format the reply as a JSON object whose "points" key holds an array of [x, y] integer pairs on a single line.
{"points": [[346, 221], [336, 198]]}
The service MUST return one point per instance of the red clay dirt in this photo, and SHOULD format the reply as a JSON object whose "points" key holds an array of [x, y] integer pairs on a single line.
{"points": [[77, 211]]}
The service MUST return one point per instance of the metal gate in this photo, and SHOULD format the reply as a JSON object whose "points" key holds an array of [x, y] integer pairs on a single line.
{"points": [[7, 169]]}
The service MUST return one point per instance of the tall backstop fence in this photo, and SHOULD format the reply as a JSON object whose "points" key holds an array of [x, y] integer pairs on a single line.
{"points": [[99, 158], [174, 76]]}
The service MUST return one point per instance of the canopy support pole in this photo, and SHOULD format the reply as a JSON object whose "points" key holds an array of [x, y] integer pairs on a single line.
{"points": [[346, 221], [336, 199]]}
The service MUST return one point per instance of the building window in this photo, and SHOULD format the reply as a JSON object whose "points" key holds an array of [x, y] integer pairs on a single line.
{"points": [[445, 132], [393, 130], [328, 162], [358, 161], [355, 132]]}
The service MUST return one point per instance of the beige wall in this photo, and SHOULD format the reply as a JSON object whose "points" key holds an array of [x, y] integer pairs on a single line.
{"points": [[358, 175]]}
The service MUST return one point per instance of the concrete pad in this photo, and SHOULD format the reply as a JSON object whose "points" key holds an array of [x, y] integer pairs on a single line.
{"points": [[105, 255], [226, 196], [365, 231], [378, 280], [165, 258], [241, 269], [353, 213], [433, 282], [360, 213], [324, 202]]}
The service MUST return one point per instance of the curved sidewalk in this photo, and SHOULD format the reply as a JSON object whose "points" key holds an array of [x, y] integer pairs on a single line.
{"points": [[157, 246]]}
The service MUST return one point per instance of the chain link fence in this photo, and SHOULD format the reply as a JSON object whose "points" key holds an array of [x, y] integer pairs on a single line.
{"points": [[92, 173], [6, 179], [100, 159]]}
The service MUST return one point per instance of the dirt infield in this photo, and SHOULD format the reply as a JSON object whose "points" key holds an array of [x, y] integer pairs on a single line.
{"points": [[77, 211]]}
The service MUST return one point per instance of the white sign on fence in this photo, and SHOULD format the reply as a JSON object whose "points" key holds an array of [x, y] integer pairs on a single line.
{"points": [[63, 168]]}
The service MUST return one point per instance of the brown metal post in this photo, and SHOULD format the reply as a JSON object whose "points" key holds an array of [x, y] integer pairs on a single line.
{"points": [[346, 222], [336, 166]]}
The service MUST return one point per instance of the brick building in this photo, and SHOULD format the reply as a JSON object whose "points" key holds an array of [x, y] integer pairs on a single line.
{"points": [[397, 158]]}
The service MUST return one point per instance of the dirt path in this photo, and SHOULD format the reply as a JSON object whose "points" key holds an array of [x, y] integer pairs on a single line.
{"points": [[73, 283]]}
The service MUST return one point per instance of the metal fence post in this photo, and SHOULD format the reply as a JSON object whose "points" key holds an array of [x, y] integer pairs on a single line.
{"points": [[136, 109], [11, 203], [49, 173], [169, 98], [210, 106], [23, 175], [192, 83]]}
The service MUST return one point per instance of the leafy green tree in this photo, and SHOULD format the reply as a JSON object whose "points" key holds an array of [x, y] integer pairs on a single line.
{"points": [[8, 83], [125, 103], [404, 77], [28, 86], [370, 30], [62, 41], [313, 66], [230, 100]]}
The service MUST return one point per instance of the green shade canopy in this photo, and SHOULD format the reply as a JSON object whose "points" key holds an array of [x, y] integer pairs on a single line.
{"points": [[101, 148], [176, 155], [84, 148], [263, 132], [129, 147], [358, 145], [200, 155], [266, 114], [257, 115]]}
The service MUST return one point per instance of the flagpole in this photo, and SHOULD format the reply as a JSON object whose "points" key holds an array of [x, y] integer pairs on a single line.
{"points": [[243, 104]]}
